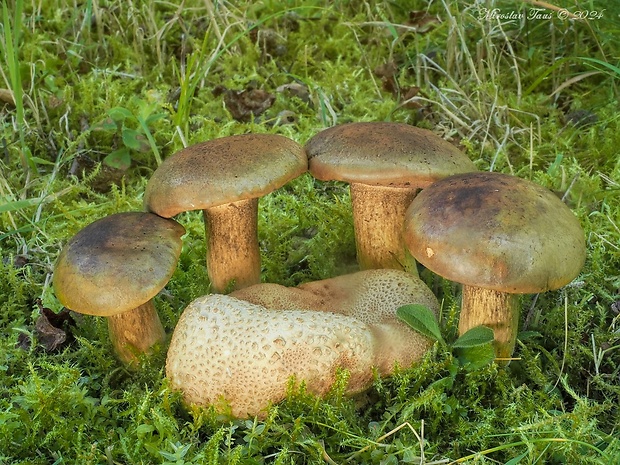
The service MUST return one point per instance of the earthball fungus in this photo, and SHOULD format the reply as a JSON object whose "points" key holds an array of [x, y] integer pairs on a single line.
{"points": [[386, 164], [240, 355], [224, 178], [370, 296], [499, 236], [113, 268]]}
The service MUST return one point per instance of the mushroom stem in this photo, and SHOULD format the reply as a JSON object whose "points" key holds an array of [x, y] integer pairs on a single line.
{"points": [[135, 332], [232, 245], [378, 218], [497, 310]]}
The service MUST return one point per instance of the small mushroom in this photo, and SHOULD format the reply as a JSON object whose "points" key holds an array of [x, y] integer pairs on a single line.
{"points": [[224, 178], [240, 356], [386, 164], [499, 236], [113, 268]]}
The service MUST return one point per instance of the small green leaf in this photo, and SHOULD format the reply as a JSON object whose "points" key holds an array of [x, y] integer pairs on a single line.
{"points": [[421, 319], [475, 357], [42, 161], [119, 159], [135, 140], [477, 336], [119, 114], [442, 384], [18, 204], [143, 430], [525, 335], [152, 118], [107, 124]]}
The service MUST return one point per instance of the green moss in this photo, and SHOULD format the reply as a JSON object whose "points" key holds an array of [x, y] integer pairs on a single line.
{"points": [[508, 94]]}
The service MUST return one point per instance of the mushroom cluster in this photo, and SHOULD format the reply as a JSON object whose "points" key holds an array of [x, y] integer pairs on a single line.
{"points": [[116, 265], [414, 197]]}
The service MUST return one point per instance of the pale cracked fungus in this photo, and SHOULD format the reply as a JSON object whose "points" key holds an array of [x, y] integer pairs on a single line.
{"points": [[370, 296], [239, 357]]}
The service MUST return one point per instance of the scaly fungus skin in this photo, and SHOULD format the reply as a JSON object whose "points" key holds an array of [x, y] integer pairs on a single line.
{"points": [[224, 178], [113, 268], [370, 296], [239, 357], [386, 165], [238, 352], [497, 235]]}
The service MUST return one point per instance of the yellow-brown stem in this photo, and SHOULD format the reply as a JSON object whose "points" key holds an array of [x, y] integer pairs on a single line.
{"points": [[232, 245], [378, 218], [135, 332], [497, 310]]}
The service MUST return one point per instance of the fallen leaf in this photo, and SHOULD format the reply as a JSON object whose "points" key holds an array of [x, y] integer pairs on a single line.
{"points": [[286, 117], [422, 21], [388, 72], [244, 105], [269, 41], [6, 96], [52, 329], [296, 90]]}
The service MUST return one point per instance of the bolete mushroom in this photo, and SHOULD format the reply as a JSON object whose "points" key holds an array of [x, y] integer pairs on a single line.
{"points": [[113, 268], [240, 356], [224, 178], [499, 236], [386, 164]]}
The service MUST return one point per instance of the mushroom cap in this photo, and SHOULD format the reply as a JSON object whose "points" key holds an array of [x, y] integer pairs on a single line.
{"points": [[385, 154], [222, 171], [117, 263], [233, 354], [495, 231]]}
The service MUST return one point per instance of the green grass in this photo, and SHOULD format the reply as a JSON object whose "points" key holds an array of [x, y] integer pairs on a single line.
{"points": [[534, 98]]}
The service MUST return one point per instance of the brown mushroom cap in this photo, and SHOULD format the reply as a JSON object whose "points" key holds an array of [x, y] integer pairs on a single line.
{"points": [[222, 171], [117, 263], [495, 231], [386, 154]]}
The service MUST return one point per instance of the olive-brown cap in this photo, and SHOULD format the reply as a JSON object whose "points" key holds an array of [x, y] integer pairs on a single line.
{"points": [[495, 231], [386, 154], [222, 171], [117, 263]]}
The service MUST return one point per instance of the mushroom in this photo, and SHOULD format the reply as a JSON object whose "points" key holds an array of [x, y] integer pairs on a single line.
{"points": [[224, 178], [240, 355], [113, 268], [499, 236], [386, 164], [370, 296]]}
